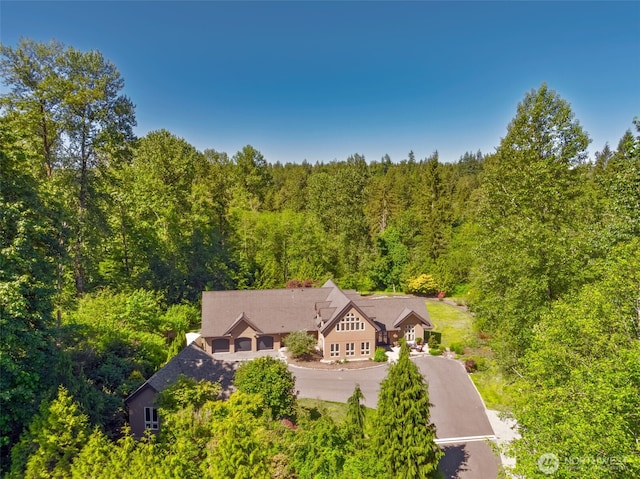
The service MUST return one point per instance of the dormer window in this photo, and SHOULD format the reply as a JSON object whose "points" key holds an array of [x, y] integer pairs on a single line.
{"points": [[350, 322]]}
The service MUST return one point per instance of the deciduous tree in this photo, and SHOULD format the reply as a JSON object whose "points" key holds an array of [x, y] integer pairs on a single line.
{"points": [[527, 252], [272, 379]]}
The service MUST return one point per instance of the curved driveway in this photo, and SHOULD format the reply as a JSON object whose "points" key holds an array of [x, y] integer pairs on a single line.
{"points": [[457, 412]]}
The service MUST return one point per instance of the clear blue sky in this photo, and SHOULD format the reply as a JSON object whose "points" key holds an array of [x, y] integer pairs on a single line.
{"points": [[323, 80]]}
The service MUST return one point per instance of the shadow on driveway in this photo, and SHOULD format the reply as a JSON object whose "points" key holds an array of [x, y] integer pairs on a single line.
{"points": [[454, 462]]}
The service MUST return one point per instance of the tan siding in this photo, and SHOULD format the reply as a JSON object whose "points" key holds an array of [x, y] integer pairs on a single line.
{"points": [[242, 330], [346, 337]]}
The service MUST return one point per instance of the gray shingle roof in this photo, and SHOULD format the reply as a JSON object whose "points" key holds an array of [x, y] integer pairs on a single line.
{"points": [[390, 310], [192, 361], [272, 311], [286, 310]]}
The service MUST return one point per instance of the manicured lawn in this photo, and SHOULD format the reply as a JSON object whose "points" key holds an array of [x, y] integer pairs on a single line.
{"points": [[454, 323]]}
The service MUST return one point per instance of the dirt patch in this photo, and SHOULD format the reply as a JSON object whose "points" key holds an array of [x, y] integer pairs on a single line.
{"points": [[315, 363]]}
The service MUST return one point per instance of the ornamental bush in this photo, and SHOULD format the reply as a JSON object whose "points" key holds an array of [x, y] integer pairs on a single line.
{"points": [[423, 284], [300, 344], [380, 356]]}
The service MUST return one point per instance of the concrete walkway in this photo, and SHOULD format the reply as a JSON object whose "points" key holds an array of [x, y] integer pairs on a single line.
{"points": [[505, 431]]}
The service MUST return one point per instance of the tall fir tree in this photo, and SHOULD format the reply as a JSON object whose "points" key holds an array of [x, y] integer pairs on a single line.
{"points": [[403, 435], [356, 416]]}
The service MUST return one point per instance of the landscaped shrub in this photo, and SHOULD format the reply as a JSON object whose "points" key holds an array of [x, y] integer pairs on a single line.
{"points": [[433, 338], [300, 344], [423, 284], [457, 348], [481, 363], [435, 351], [470, 365], [380, 355], [297, 283]]}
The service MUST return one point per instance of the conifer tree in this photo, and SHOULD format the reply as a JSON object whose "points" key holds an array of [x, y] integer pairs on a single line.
{"points": [[403, 436], [55, 437], [355, 419]]}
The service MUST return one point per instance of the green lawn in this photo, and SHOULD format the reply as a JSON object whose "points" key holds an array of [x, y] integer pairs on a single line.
{"points": [[454, 323], [456, 326], [337, 410], [492, 387]]}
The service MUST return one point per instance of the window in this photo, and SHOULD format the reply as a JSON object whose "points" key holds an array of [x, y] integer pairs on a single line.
{"points": [[151, 418], [350, 323], [350, 349], [335, 350], [409, 332], [364, 349]]}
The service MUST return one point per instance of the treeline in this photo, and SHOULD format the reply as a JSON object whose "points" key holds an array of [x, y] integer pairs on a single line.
{"points": [[107, 238]]}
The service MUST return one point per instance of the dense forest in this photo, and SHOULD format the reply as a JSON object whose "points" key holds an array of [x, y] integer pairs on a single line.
{"points": [[107, 241]]}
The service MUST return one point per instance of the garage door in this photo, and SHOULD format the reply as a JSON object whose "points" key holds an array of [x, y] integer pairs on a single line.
{"points": [[220, 345], [265, 342], [243, 344]]}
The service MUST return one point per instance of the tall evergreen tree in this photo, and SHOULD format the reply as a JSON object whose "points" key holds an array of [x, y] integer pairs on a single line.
{"points": [[55, 436], [403, 434], [356, 415]]}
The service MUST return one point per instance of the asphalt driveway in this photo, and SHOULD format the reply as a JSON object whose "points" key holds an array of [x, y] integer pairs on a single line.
{"points": [[457, 412]]}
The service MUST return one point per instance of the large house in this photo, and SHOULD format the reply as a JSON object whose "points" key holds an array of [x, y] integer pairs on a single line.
{"points": [[345, 324]]}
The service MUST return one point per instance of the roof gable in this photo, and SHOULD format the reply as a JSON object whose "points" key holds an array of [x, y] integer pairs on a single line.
{"points": [[193, 362], [243, 318], [340, 314], [270, 311], [408, 313], [281, 311]]}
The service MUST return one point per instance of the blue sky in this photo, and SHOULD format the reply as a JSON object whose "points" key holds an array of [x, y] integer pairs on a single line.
{"points": [[323, 80]]}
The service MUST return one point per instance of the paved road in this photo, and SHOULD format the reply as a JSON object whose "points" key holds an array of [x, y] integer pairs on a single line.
{"points": [[458, 412]]}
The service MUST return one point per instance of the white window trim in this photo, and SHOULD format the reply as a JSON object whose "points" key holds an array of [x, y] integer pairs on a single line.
{"points": [[350, 349], [151, 418], [410, 332], [365, 348], [334, 350], [350, 322]]}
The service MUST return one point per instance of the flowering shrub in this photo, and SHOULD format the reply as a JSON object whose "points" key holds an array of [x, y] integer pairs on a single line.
{"points": [[423, 284]]}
